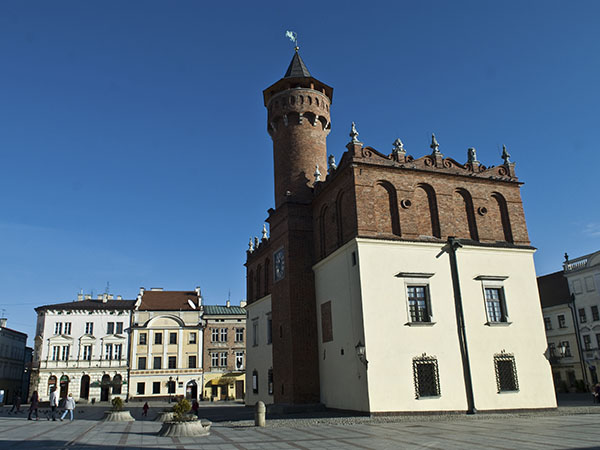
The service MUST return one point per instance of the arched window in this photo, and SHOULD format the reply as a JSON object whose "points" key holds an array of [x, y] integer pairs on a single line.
{"points": [[51, 383], [504, 218], [426, 210], [117, 384], [387, 220], [465, 223]]}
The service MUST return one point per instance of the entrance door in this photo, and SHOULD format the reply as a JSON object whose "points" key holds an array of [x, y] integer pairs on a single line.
{"points": [[191, 390], [104, 388], [84, 392], [64, 386], [239, 390]]}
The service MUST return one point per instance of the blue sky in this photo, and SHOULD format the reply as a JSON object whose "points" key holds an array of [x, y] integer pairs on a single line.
{"points": [[133, 140]]}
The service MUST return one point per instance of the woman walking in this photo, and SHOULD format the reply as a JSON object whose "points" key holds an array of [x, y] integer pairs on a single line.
{"points": [[69, 407], [33, 407]]}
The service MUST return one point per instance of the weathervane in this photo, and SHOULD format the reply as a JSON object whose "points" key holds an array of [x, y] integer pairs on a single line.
{"points": [[293, 36]]}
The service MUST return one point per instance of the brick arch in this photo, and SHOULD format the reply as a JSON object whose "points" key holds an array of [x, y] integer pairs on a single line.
{"points": [[466, 225], [385, 208], [426, 211], [504, 217]]}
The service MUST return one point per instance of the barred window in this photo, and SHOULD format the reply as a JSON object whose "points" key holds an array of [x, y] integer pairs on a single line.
{"points": [[506, 372], [418, 304], [426, 376]]}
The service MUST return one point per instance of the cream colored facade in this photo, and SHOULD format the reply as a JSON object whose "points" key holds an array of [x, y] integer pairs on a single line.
{"points": [[259, 352], [366, 282], [166, 354]]}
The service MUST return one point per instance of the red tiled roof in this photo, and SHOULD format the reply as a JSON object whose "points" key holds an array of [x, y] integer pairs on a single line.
{"points": [[168, 300]]}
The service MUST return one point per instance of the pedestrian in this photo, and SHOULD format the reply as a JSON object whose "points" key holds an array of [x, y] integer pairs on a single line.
{"points": [[145, 409], [16, 407], [597, 393], [69, 407], [195, 407], [53, 403], [33, 407]]}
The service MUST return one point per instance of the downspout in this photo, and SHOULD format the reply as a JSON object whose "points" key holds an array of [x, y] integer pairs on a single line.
{"points": [[572, 307], [453, 245], [129, 362]]}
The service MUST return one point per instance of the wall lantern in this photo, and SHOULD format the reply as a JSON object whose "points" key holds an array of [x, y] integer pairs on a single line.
{"points": [[361, 352]]}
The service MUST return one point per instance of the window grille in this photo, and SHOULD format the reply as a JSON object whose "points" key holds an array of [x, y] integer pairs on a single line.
{"points": [[506, 372], [426, 376]]}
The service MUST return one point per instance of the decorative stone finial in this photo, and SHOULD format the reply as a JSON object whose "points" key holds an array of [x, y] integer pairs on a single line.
{"points": [[250, 246], [317, 174], [264, 232], [354, 133], [331, 162], [472, 155], [505, 155], [256, 243], [434, 144]]}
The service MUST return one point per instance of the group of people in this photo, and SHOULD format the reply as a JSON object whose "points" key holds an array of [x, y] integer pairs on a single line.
{"points": [[34, 404]]}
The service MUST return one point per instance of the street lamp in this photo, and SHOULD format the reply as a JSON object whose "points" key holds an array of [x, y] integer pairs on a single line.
{"points": [[361, 352]]}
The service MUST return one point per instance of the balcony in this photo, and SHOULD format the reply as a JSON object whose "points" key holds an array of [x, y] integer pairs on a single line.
{"points": [[575, 264]]}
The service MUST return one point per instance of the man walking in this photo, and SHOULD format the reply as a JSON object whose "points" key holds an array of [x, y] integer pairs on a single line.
{"points": [[53, 402]]}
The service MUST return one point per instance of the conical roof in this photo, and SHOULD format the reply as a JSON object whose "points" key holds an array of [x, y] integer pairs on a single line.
{"points": [[296, 69]]}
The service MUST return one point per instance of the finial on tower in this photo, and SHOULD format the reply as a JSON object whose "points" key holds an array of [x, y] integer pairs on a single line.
{"points": [[317, 174], [471, 155], [293, 36], [264, 232], [434, 144], [505, 155], [354, 133], [250, 246], [398, 149]]}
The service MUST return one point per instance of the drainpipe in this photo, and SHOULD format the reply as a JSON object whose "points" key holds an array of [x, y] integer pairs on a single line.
{"points": [[453, 245], [572, 307]]}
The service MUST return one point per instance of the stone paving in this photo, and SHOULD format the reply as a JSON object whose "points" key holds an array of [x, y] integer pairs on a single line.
{"points": [[567, 428]]}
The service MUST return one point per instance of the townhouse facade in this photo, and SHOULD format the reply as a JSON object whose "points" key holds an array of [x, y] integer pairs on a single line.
{"points": [[13, 355]]}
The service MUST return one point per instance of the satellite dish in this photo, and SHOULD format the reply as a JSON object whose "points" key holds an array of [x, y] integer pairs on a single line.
{"points": [[191, 303]]}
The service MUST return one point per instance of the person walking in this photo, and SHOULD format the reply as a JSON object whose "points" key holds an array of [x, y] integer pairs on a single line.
{"points": [[145, 410], [195, 407], [33, 407], [53, 403], [16, 407], [69, 407]]}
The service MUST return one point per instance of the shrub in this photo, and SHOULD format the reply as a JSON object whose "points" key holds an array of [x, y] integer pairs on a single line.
{"points": [[181, 409], [117, 404]]}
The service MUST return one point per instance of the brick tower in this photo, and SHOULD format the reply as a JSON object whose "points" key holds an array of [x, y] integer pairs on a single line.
{"points": [[281, 266]]}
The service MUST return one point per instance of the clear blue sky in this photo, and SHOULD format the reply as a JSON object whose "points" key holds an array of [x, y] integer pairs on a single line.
{"points": [[133, 140]]}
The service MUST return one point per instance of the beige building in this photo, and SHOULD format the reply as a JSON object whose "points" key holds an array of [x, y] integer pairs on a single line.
{"points": [[224, 352], [166, 345]]}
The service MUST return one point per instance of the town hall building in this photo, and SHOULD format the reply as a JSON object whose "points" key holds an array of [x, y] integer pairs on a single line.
{"points": [[389, 283]]}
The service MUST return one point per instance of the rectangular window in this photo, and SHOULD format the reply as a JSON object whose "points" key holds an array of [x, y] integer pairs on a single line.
{"points": [[118, 351], [192, 338], [426, 377], [156, 387], [214, 359], [158, 338], [157, 362], [223, 359], [55, 353], [255, 332], [192, 361], [587, 342], [67, 327], [110, 328], [567, 347], [108, 351], [142, 363], [87, 352], [239, 335], [418, 304], [143, 338], [595, 314], [506, 372], [239, 360], [65, 353], [582, 317], [172, 362], [270, 381], [172, 338], [494, 302], [89, 328], [548, 323], [214, 334], [119, 327], [561, 321], [58, 328], [223, 334], [141, 388]]}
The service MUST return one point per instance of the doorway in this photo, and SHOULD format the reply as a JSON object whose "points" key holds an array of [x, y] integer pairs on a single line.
{"points": [[191, 390], [84, 391], [51, 383], [239, 389], [104, 388], [64, 386]]}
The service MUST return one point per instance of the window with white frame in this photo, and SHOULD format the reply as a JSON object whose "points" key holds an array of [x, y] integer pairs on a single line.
{"points": [[239, 335], [89, 328], [223, 359], [214, 359], [110, 328], [119, 327], [67, 327], [494, 299], [58, 328], [214, 335], [239, 360], [143, 339], [108, 351], [55, 353], [87, 352], [65, 352], [506, 372], [223, 334], [418, 300], [118, 351]]}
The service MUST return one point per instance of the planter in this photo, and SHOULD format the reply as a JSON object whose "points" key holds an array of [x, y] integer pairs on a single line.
{"points": [[169, 416], [118, 416], [182, 429]]}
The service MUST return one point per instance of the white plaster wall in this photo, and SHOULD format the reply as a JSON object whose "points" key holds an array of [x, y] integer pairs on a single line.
{"points": [[343, 377], [260, 357], [524, 337]]}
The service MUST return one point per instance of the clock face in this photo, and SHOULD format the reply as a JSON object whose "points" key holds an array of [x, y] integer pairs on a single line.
{"points": [[279, 266]]}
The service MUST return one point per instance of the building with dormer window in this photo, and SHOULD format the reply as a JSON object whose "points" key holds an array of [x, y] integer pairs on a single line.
{"points": [[80, 347]]}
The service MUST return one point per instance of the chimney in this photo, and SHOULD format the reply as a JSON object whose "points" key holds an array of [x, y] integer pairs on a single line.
{"points": [[3, 322], [87, 297], [119, 297], [243, 304], [99, 297], [199, 294], [79, 297], [228, 304], [110, 296]]}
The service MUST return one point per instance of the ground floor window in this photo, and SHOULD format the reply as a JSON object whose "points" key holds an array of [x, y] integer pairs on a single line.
{"points": [[156, 387], [141, 388], [426, 376], [506, 372]]}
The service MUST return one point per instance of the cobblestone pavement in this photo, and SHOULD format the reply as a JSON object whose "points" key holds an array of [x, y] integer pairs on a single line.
{"points": [[567, 428]]}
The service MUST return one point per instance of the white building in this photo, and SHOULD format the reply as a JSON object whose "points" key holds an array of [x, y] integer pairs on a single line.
{"points": [[583, 276], [81, 348]]}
